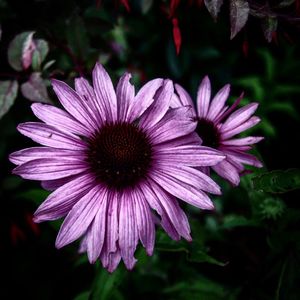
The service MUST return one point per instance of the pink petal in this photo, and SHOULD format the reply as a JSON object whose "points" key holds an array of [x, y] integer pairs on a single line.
{"points": [[112, 234], [203, 97], [246, 158], [105, 93], [79, 218], [51, 185], [227, 171], [250, 140], [143, 99], [49, 136], [218, 102], [184, 97]]}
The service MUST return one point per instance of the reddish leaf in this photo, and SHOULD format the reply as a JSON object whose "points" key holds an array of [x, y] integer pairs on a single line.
{"points": [[16, 234], [239, 11], [213, 6], [126, 4], [173, 6], [176, 35]]}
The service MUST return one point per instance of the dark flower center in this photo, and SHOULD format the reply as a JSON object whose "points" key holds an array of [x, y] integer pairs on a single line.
{"points": [[208, 133], [120, 155]]}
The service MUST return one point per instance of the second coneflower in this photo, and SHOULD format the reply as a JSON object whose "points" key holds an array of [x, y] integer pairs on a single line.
{"points": [[112, 159], [217, 125]]}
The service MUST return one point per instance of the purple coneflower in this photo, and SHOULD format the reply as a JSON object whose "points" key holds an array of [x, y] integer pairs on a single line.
{"points": [[218, 124], [113, 158]]}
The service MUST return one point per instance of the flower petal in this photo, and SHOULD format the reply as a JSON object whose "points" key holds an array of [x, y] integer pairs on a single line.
{"points": [[160, 105], [128, 235], [245, 158], [79, 218], [49, 136], [58, 118], [125, 96], [105, 93], [203, 97], [61, 201], [239, 117], [227, 171], [112, 233], [96, 232], [51, 185], [143, 99], [184, 97], [51, 168], [249, 140], [218, 102]]}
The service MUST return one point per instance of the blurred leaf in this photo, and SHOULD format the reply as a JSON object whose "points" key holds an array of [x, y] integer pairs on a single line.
{"points": [[269, 25], [20, 51], [37, 196], [145, 5], [285, 107], [286, 3], [39, 54], [267, 127], [253, 83], [8, 94], [48, 64], [77, 37], [105, 284], [269, 63], [35, 89], [277, 181], [83, 296], [239, 11], [213, 6], [232, 221]]}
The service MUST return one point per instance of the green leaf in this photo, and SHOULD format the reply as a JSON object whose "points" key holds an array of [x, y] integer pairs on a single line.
{"points": [[105, 284], [232, 221], [213, 6], [8, 94], [277, 181], [39, 54], [20, 51], [35, 195], [285, 107], [83, 296], [35, 89], [239, 11]]}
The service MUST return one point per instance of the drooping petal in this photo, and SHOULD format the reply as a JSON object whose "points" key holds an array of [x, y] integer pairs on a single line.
{"points": [[125, 96], [218, 102], [182, 190], [96, 232], [249, 140], [203, 97], [128, 234], [144, 221], [58, 118], [143, 99], [159, 107], [227, 171], [184, 97], [28, 154], [79, 218], [61, 201], [105, 93], [245, 158], [49, 136], [239, 117]]}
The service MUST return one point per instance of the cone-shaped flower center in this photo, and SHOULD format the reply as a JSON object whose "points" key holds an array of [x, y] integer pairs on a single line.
{"points": [[208, 133], [120, 155]]}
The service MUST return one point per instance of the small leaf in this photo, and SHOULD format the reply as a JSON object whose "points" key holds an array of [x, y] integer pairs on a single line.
{"points": [[213, 6], [277, 181], [239, 11], [232, 221], [8, 94], [48, 64], [286, 3], [35, 89], [83, 296], [39, 54], [20, 51], [145, 5], [269, 25]]}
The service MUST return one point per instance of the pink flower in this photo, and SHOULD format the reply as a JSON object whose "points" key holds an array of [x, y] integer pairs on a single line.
{"points": [[217, 126], [112, 159]]}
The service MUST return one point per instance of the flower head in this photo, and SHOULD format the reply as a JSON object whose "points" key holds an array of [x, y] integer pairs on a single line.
{"points": [[112, 158], [217, 124]]}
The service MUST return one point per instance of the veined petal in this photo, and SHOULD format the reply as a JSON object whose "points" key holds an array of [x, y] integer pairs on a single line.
{"points": [[58, 118], [72, 103], [112, 233], [51, 185], [218, 102], [61, 201], [105, 93], [128, 234], [79, 218], [227, 171], [239, 117], [143, 99], [203, 97], [125, 96], [28, 154], [184, 97], [96, 232], [47, 169], [249, 140], [160, 105], [245, 158], [49, 136]]}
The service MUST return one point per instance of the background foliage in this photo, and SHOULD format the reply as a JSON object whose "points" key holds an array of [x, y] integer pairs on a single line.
{"points": [[248, 248]]}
